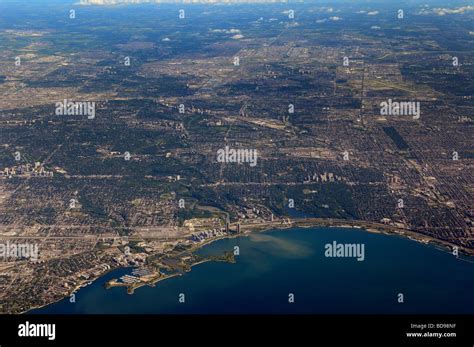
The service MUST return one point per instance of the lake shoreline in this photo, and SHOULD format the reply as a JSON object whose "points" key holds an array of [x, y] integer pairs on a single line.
{"points": [[288, 224]]}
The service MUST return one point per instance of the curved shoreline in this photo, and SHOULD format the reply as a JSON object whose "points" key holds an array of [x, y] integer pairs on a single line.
{"points": [[368, 226], [302, 223]]}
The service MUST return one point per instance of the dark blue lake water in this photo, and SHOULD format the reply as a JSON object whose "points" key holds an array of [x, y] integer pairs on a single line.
{"points": [[272, 265]]}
